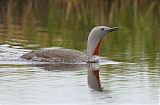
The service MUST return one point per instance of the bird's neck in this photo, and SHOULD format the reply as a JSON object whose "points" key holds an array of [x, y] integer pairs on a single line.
{"points": [[93, 47]]}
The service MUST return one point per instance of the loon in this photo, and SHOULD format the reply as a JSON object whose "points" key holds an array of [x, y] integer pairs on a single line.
{"points": [[61, 55]]}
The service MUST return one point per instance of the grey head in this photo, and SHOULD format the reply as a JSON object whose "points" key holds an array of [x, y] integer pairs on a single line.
{"points": [[101, 31], [95, 37]]}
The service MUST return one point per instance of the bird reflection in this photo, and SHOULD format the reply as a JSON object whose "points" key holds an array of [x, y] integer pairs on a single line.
{"points": [[62, 67], [93, 77]]}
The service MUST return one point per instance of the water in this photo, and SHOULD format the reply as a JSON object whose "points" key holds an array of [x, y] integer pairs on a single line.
{"points": [[129, 72]]}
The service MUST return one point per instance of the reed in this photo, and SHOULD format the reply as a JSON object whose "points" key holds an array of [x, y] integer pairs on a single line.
{"points": [[88, 12]]}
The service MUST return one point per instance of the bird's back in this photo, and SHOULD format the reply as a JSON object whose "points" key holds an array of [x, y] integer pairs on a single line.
{"points": [[55, 55]]}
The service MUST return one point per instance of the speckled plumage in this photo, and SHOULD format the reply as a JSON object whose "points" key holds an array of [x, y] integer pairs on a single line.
{"points": [[56, 55]]}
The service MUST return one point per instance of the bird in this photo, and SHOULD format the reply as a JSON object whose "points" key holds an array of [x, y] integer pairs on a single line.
{"points": [[62, 55]]}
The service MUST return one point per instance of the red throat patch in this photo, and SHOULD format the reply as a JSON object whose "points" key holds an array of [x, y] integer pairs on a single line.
{"points": [[96, 50]]}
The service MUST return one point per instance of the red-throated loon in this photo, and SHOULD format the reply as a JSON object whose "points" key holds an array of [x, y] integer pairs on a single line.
{"points": [[73, 56]]}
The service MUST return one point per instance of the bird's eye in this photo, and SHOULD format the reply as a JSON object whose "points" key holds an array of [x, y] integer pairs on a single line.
{"points": [[102, 29]]}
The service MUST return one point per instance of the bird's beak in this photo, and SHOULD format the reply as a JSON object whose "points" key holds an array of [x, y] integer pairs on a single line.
{"points": [[113, 29]]}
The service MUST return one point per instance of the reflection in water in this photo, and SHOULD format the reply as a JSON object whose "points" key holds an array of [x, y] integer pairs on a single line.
{"points": [[62, 67], [93, 77], [92, 70]]}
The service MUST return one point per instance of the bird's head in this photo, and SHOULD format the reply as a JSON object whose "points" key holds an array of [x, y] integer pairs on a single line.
{"points": [[95, 37], [100, 31]]}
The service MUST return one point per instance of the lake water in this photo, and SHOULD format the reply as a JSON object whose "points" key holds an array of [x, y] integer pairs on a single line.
{"points": [[129, 72]]}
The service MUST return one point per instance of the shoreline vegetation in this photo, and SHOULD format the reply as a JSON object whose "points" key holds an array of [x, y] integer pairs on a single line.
{"points": [[90, 12]]}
